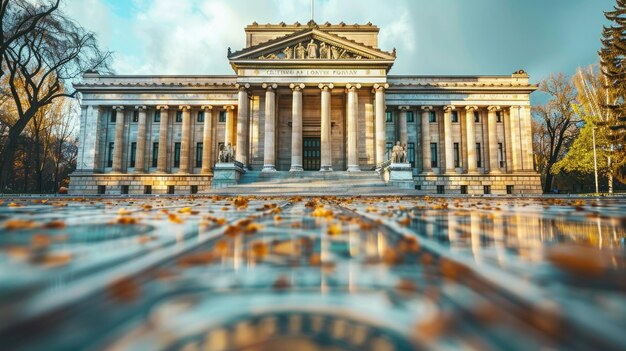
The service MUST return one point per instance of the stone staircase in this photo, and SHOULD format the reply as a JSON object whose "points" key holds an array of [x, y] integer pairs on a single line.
{"points": [[312, 183]]}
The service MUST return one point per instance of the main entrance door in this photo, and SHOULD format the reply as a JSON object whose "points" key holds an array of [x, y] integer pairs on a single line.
{"points": [[311, 153]]}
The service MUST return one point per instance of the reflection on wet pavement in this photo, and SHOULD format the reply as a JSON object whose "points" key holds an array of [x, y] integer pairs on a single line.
{"points": [[251, 273]]}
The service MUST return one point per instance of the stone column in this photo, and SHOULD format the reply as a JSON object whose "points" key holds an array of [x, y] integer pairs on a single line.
{"points": [[118, 146], [140, 156], [207, 140], [527, 141], [163, 144], [296, 128], [492, 132], [185, 140], [228, 127], [426, 168], [88, 159], [269, 150], [448, 146], [353, 111], [241, 152], [471, 139], [515, 138], [326, 160], [402, 127], [381, 133]]}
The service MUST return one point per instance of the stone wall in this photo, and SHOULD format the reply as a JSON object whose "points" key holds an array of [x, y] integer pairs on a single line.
{"points": [[522, 183], [89, 184]]}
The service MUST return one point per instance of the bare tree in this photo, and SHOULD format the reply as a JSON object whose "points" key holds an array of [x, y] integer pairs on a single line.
{"points": [[558, 121], [39, 63]]}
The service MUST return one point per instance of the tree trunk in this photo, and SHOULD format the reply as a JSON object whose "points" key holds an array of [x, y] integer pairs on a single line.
{"points": [[12, 141], [547, 187]]}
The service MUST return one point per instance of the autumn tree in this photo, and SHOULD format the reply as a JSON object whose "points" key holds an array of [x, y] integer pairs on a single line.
{"points": [[557, 120], [592, 101], [613, 63], [39, 64]]}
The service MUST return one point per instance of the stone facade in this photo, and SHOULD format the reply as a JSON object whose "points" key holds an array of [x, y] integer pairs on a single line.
{"points": [[305, 97]]}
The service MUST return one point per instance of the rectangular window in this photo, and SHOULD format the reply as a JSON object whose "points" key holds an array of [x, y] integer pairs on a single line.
{"points": [[388, 147], [476, 117], [199, 155], [455, 117], [171, 189], [433, 155], [500, 155], [133, 154], [479, 155], [102, 189], [457, 162], [463, 189], [487, 189], [113, 116], [124, 190], [179, 116], [499, 116], [147, 189], [410, 153], [193, 189], [110, 155], [157, 116], [135, 116], [388, 117], [200, 116], [176, 154], [410, 117], [432, 117], [441, 189], [509, 189], [155, 154], [222, 117]]}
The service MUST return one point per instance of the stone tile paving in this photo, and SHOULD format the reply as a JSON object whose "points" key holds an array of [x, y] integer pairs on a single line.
{"points": [[304, 273]]}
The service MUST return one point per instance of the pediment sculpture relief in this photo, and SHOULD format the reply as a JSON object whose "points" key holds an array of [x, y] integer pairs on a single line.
{"points": [[312, 49]]}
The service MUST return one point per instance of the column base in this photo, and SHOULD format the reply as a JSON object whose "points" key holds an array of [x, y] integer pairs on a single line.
{"points": [[161, 172], [296, 168], [268, 168], [326, 169], [139, 171], [449, 171], [353, 168], [427, 171]]}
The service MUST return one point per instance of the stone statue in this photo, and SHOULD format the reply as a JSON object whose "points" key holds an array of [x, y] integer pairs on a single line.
{"points": [[334, 52], [324, 51], [226, 153], [311, 50], [299, 51], [404, 158], [398, 154], [288, 51]]}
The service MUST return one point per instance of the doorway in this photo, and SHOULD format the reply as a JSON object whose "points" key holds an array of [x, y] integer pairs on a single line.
{"points": [[311, 154]]}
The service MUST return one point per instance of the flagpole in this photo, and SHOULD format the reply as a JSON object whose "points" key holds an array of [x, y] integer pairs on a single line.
{"points": [[312, 10]]}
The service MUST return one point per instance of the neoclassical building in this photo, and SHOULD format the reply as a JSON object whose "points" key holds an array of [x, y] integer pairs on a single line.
{"points": [[305, 97]]}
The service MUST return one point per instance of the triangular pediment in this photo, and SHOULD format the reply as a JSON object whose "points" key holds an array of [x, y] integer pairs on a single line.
{"points": [[311, 44]]}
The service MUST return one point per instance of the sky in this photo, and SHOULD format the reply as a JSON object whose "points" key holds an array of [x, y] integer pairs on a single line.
{"points": [[432, 37]]}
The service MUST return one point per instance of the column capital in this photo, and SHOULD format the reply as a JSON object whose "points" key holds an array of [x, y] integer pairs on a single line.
{"points": [[184, 107], [353, 87], [494, 108], [206, 107], [404, 108], [297, 87], [242, 86], [162, 107], [118, 108], [381, 87], [140, 107], [427, 108], [324, 86], [449, 108], [229, 107], [471, 108], [270, 86]]}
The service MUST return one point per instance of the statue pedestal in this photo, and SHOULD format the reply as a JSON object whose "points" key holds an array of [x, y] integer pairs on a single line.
{"points": [[226, 174], [401, 176]]}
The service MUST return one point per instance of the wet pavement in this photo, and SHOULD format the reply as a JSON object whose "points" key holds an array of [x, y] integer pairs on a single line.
{"points": [[304, 273]]}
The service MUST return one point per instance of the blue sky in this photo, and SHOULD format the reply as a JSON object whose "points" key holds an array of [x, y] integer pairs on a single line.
{"points": [[432, 37]]}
